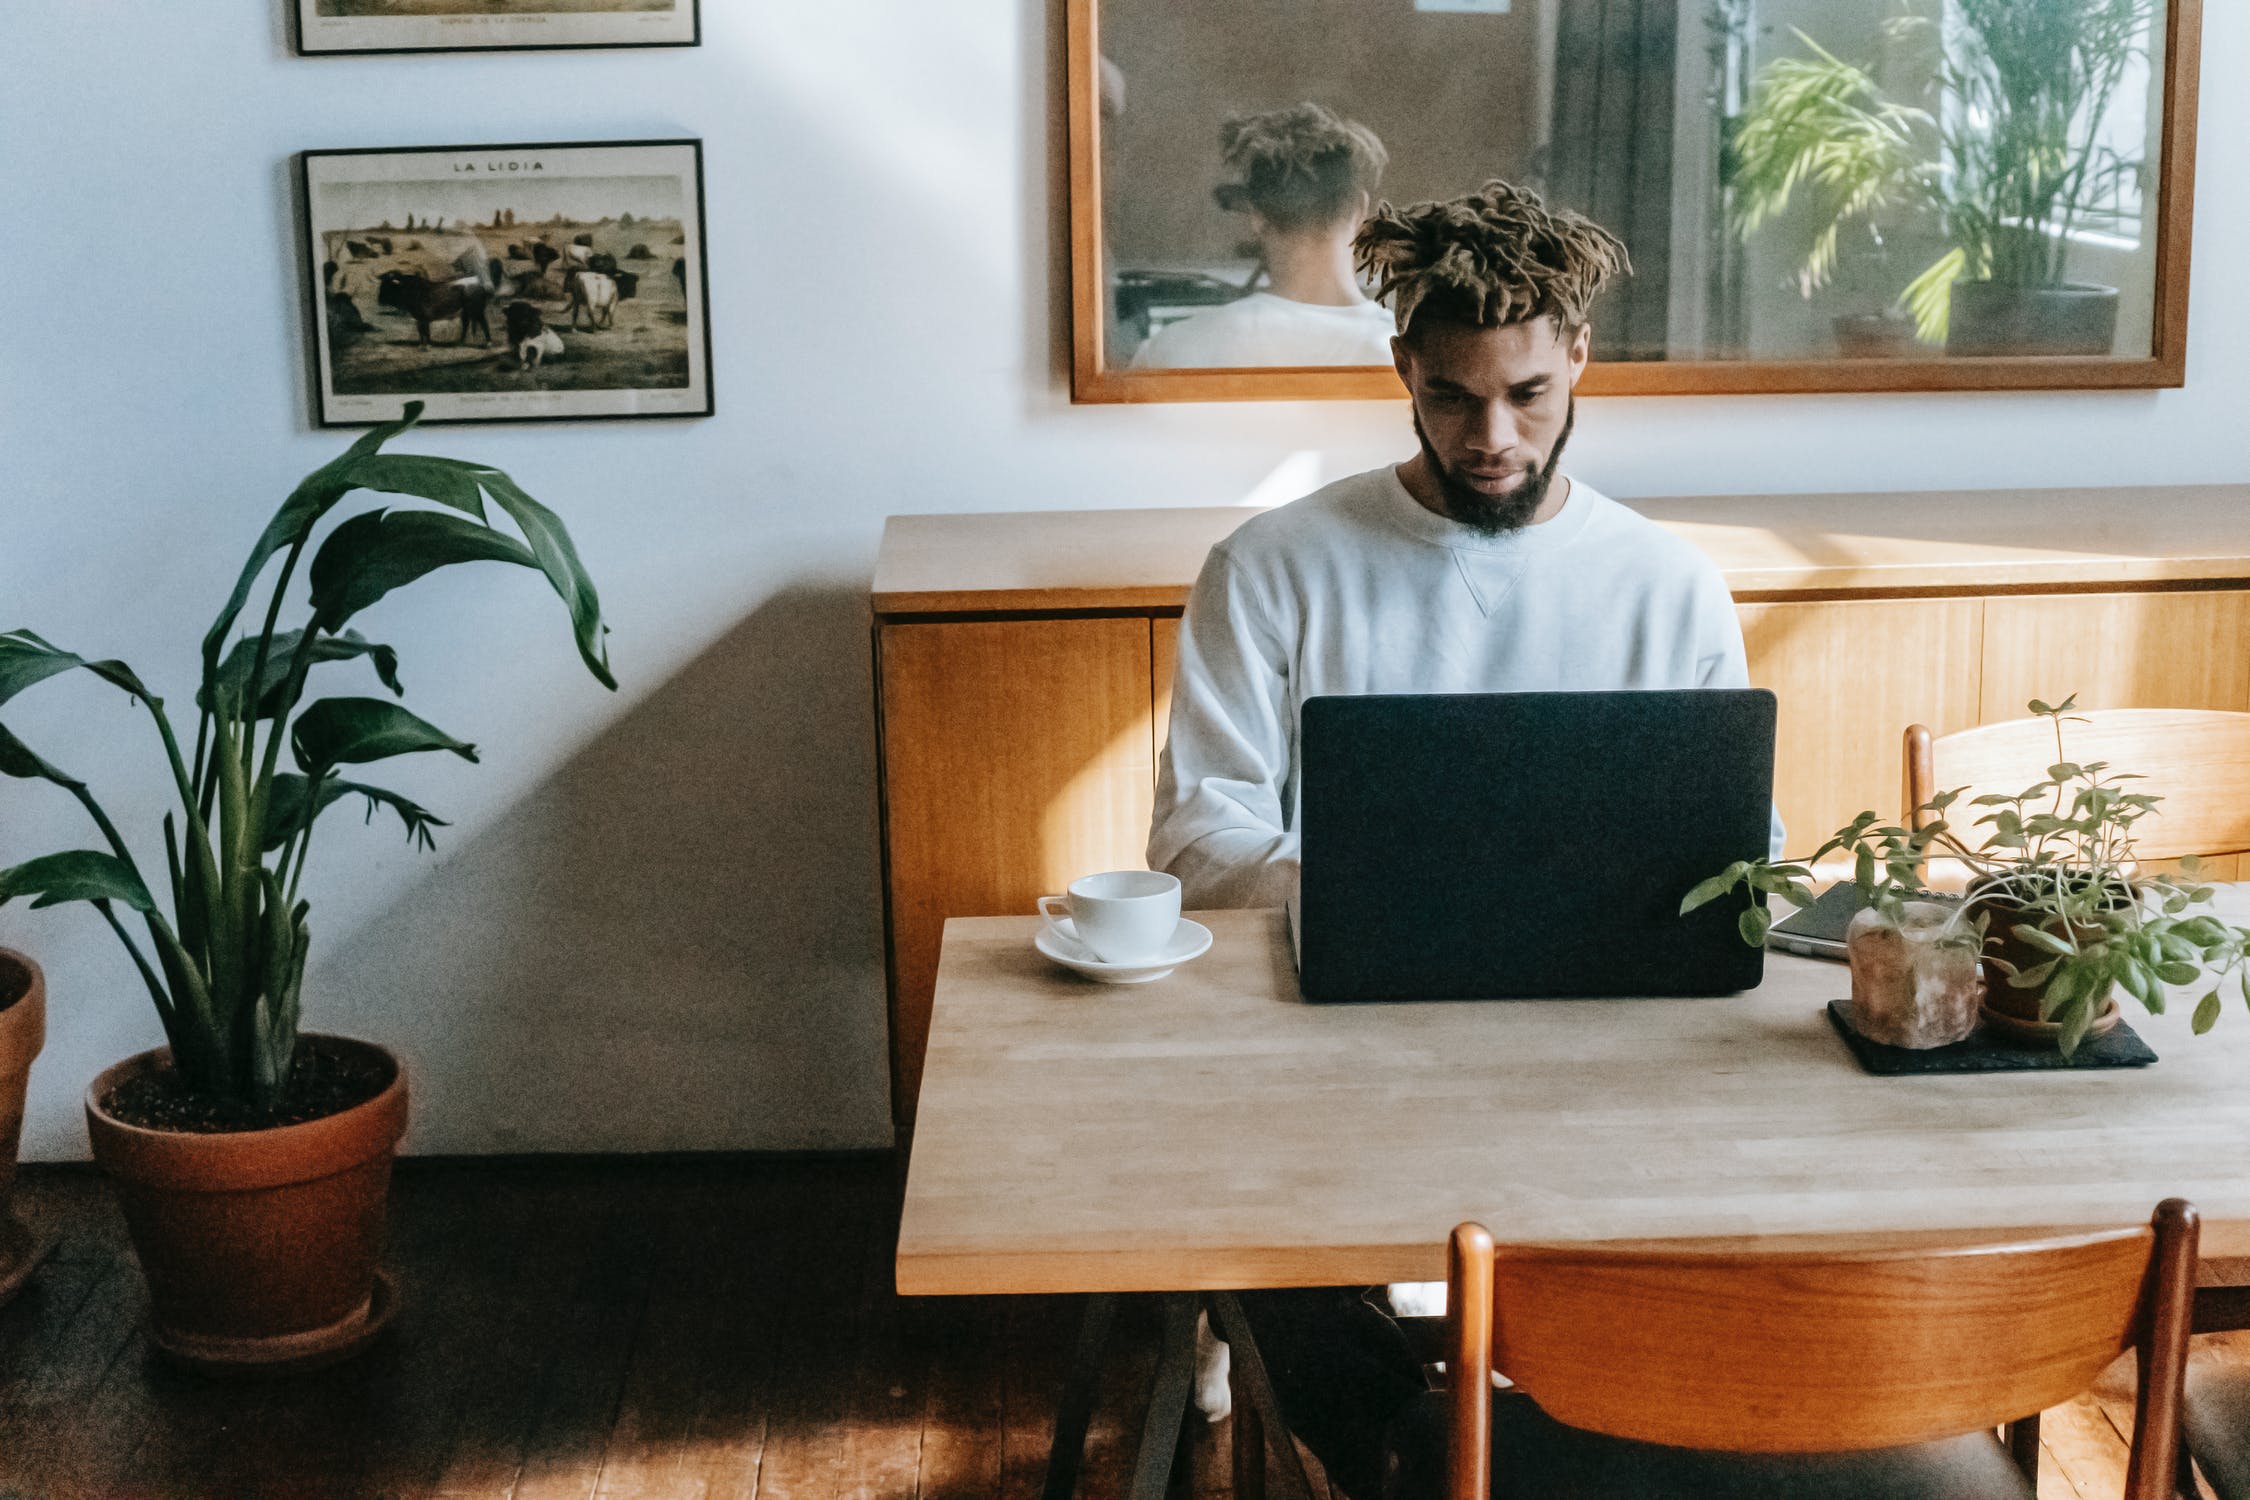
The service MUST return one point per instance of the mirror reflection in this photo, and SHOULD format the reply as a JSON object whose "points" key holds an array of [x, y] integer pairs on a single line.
{"points": [[1793, 179]]}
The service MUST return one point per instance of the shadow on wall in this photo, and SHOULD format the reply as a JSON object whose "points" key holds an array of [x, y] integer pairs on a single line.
{"points": [[673, 944]]}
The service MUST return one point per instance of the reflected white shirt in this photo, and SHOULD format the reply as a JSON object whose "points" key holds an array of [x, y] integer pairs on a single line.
{"points": [[1263, 329]]}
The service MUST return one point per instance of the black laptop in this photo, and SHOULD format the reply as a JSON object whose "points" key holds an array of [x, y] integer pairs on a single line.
{"points": [[1509, 845]]}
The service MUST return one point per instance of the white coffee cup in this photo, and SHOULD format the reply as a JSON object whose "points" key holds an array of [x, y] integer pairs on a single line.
{"points": [[1121, 916]]}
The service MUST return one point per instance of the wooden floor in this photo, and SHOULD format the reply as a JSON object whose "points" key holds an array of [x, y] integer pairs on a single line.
{"points": [[700, 1329]]}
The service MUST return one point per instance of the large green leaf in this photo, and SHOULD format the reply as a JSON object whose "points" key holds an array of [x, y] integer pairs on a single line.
{"points": [[26, 660], [234, 672], [295, 520], [285, 808], [353, 731], [76, 875], [17, 760], [550, 542], [369, 555], [448, 481], [462, 485]]}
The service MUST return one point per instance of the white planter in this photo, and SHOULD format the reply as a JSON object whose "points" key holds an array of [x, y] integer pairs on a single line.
{"points": [[1911, 986]]}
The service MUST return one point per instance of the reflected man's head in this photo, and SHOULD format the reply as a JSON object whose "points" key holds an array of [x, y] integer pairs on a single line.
{"points": [[1304, 171], [1490, 292]]}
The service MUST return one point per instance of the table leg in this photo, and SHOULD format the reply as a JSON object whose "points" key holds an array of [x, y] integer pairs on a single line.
{"points": [[2023, 1445], [1249, 1433], [1265, 1409], [1167, 1399], [1075, 1407]]}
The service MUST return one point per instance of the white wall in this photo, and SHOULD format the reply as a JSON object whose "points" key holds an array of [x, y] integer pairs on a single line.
{"points": [[655, 923]]}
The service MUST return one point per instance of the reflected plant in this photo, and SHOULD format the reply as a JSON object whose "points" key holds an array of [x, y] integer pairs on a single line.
{"points": [[225, 968], [2012, 170]]}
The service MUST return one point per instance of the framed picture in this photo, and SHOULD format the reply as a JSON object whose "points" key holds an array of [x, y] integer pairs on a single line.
{"points": [[335, 26], [508, 283]]}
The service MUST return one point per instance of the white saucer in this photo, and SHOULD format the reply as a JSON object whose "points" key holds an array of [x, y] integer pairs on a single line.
{"points": [[1188, 941]]}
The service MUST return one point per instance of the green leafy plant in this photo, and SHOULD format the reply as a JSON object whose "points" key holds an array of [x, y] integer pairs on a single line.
{"points": [[2057, 865], [226, 966], [1887, 864], [2012, 169]]}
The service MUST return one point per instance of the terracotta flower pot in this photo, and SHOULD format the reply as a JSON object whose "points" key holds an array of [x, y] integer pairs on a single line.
{"points": [[23, 1031], [259, 1246], [2016, 1011]]}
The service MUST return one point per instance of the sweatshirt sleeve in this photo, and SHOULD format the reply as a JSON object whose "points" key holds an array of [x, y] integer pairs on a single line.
{"points": [[1721, 662], [1219, 822]]}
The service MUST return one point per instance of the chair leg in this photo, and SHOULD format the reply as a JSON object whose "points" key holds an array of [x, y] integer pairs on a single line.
{"points": [[1249, 1437]]}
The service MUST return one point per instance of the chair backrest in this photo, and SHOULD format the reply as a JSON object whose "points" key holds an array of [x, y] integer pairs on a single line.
{"points": [[2197, 760], [1810, 1351]]}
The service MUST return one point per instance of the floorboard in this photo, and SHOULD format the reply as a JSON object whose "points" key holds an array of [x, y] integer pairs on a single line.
{"points": [[718, 1329]]}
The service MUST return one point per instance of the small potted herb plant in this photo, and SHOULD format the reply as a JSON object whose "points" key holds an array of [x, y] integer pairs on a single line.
{"points": [[1914, 970], [252, 1161], [2056, 902]]}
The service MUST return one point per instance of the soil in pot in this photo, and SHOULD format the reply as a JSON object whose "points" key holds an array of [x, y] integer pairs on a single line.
{"points": [[325, 1080]]}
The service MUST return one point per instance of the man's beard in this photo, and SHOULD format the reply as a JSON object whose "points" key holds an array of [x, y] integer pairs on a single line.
{"points": [[1494, 515]]}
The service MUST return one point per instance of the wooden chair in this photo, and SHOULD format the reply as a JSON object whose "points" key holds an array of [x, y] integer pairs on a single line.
{"points": [[2198, 760], [1796, 1373]]}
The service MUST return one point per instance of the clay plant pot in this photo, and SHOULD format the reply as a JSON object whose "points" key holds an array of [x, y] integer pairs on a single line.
{"points": [[259, 1246], [1873, 336], [1910, 988], [23, 1031], [2015, 1012], [1988, 317]]}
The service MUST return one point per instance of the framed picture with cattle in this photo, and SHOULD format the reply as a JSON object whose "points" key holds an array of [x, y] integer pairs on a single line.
{"points": [[551, 282], [338, 26]]}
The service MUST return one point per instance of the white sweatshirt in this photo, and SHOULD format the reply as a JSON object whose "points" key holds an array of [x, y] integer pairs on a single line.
{"points": [[1360, 589], [1263, 329]]}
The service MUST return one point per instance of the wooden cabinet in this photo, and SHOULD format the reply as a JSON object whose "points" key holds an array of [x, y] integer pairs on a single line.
{"points": [[1025, 666], [1833, 666], [1017, 755]]}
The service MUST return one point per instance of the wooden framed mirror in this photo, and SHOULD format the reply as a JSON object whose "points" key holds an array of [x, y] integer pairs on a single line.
{"points": [[1818, 195]]}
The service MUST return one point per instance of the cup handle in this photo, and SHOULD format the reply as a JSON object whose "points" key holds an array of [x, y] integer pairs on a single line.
{"points": [[1054, 924]]}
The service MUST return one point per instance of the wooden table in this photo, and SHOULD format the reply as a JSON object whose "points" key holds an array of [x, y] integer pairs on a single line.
{"points": [[1213, 1131]]}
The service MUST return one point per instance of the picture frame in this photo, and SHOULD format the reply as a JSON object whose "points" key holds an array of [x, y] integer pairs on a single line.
{"points": [[333, 28], [507, 283]]}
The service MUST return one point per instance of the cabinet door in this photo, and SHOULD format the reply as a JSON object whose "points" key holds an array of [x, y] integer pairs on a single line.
{"points": [[1164, 655], [1850, 676], [2177, 650], [1017, 756]]}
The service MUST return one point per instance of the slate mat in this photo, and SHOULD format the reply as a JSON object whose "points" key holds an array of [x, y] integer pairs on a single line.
{"points": [[1980, 1053]]}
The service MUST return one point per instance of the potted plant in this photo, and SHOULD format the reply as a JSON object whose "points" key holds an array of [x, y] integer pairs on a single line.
{"points": [[2063, 915], [23, 1031], [252, 1162], [2012, 166], [1915, 977]]}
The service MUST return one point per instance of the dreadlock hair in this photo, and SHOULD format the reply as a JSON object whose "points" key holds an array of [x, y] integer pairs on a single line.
{"points": [[1304, 167], [1496, 256]]}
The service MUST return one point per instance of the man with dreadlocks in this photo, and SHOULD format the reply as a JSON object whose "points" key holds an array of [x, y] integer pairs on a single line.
{"points": [[1475, 566], [1306, 178]]}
